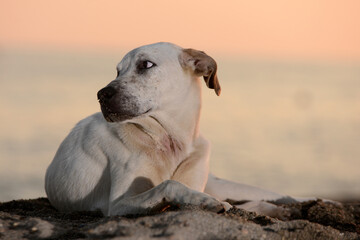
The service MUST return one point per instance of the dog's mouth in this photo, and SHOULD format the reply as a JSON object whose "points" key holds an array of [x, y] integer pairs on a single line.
{"points": [[121, 116], [116, 117]]}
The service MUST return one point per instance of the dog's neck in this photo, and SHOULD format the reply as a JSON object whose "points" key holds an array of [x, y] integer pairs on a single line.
{"points": [[171, 131]]}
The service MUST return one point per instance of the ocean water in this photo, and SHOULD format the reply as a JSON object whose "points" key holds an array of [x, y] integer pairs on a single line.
{"points": [[289, 126]]}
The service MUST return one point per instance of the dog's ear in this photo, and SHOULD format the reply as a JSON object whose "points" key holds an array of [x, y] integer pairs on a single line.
{"points": [[202, 65]]}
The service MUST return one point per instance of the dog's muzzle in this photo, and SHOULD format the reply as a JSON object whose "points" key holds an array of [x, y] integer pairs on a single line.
{"points": [[116, 106]]}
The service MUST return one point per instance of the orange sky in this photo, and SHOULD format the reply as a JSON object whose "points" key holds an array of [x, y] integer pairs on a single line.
{"points": [[325, 29]]}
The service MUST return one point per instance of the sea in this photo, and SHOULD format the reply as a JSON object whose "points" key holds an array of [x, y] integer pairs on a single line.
{"points": [[290, 126]]}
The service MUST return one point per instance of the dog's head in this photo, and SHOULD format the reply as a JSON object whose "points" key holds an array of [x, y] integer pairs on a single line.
{"points": [[152, 76]]}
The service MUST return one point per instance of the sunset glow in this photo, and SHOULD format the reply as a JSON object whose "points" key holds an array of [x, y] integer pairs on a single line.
{"points": [[279, 28]]}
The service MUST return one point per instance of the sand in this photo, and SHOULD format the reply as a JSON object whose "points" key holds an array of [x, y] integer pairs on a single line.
{"points": [[37, 219]]}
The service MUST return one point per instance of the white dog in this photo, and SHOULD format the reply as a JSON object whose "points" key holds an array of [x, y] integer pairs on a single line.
{"points": [[144, 152]]}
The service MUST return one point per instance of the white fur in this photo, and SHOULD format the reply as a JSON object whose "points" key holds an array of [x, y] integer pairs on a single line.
{"points": [[147, 162]]}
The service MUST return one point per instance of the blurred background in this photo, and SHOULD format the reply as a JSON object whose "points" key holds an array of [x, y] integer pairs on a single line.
{"points": [[288, 118]]}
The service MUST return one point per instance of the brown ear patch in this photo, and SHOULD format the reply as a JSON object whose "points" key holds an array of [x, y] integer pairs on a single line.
{"points": [[202, 65]]}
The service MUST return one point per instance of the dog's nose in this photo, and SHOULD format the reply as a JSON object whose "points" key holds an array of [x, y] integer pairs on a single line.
{"points": [[106, 93]]}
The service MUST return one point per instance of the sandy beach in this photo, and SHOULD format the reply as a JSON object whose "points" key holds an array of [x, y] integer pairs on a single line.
{"points": [[37, 219]]}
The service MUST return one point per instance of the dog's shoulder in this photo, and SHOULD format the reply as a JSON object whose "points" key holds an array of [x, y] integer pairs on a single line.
{"points": [[93, 124], [91, 131], [93, 138]]}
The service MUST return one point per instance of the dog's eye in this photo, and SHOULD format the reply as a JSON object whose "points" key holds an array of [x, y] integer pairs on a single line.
{"points": [[146, 64], [142, 66]]}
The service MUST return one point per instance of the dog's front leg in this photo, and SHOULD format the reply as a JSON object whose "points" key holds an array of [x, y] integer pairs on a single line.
{"points": [[193, 171], [167, 193]]}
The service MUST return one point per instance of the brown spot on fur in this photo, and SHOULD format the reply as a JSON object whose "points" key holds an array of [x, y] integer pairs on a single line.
{"points": [[174, 145], [168, 142]]}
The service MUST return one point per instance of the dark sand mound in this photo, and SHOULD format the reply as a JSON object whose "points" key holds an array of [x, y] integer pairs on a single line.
{"points": [[37, 219]]}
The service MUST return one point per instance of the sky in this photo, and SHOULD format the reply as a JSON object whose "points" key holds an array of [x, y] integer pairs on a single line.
{"points": [[55, 55], [316, 29]]}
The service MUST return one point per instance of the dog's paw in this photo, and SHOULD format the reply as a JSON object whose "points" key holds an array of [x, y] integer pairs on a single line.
{"points": [[213, 205], [227, 206], [266, 208]]}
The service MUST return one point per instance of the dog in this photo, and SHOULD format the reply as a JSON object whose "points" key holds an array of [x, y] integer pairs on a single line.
{"points": [[144, 152]]}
